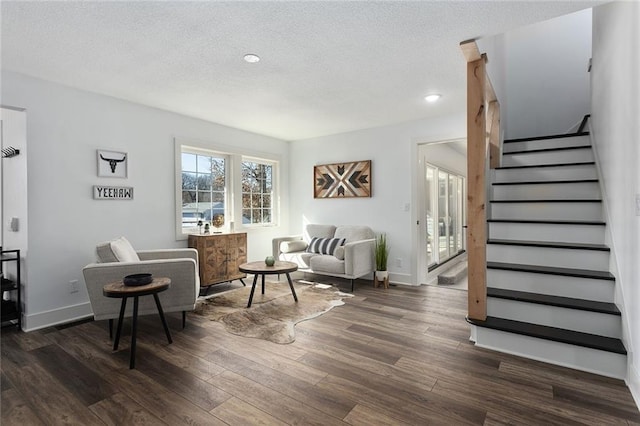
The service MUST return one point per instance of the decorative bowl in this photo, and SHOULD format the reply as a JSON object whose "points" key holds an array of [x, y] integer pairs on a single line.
{"points": [[137, 279], [269, 261]]}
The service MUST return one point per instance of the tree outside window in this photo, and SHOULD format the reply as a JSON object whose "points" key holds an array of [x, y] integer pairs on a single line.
{"points": [[203, 188], [257, 190]]}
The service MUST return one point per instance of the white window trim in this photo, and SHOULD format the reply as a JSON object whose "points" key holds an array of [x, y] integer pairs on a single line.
{"points": [[233, 177], [274, 183], [208, 153]]}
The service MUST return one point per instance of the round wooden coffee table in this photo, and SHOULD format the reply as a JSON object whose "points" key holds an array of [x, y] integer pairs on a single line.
{"points": [[119, 290], [261, 268]]}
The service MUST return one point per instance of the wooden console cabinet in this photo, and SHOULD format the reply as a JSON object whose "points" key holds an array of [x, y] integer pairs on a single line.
{"points": [[219, 256]]}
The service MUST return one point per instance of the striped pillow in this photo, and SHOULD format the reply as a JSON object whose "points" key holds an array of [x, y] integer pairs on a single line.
{"points": [[324, 245]]}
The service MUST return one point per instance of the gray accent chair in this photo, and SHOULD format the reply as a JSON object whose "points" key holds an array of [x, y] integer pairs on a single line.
{"points": [[353, 260], [180, 265]]}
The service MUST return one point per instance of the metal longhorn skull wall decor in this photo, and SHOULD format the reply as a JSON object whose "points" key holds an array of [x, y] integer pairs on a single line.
{"points": [[342, 180], [112, 164]]}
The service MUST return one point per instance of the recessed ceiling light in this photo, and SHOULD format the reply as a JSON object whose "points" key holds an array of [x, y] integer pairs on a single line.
{"points": [[251, 58], [432, 98]]}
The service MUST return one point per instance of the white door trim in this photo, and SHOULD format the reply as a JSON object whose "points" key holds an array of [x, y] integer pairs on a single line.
{"points": [[418, 212]]}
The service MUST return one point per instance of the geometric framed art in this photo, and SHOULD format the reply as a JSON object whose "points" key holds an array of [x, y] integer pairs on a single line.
{"points": [[112, 163], [342, 180]]}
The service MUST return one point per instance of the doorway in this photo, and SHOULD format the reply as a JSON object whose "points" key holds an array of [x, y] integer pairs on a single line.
{"points": [[441, 206]]}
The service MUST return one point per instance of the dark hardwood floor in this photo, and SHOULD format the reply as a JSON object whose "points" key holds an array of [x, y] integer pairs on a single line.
{"points": [[388, 357]]}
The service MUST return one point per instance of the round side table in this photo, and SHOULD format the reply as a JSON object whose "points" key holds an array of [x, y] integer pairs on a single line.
{"points": [[120, 291], [261, 268]]}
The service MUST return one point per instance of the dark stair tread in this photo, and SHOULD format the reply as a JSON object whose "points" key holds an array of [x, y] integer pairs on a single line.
{"points": [[536, 151], [550, 222], [541, 138], [569, 200], [593, 341], [559, 301], [550, 244], [542, 182], [552, 270], [532, 166]]}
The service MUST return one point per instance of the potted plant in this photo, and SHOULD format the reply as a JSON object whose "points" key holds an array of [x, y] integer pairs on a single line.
{"points": [[382, 255]]}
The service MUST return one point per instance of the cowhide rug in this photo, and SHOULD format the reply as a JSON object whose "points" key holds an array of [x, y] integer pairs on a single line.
{"points": [[272, 316]]}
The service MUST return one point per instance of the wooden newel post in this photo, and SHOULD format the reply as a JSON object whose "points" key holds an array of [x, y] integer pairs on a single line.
{"points": [[476, 189]]}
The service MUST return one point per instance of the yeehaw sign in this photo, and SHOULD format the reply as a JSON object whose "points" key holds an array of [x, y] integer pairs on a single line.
{"points": [[112, 192]]}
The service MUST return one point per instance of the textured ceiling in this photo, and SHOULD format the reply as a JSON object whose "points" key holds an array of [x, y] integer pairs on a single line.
{"points": [[327, 67]]}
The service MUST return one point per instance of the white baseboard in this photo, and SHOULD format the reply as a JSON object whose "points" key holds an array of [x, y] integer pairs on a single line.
{"points": [[64, 315], [473, 333], [402, 279], [394, 277], [633, 381]]}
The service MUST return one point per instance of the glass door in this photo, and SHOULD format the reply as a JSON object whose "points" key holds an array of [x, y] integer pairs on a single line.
{"points": [[443, 216], [460, 214], [430, 207], [452, 228], [444, 206]]}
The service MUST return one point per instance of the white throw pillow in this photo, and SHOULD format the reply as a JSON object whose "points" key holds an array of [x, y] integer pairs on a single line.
{"points": [[123, 250], [339, 253], [292, 246]]}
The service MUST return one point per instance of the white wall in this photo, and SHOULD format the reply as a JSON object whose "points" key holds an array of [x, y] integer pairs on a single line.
{"points": [[13, 187], [64, 128], [539, 73], [616, 133], [444, 155], [393, 152], [495, 49], [14, 179]]}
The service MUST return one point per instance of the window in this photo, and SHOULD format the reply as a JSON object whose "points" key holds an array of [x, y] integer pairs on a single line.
{"points": [[204, 180], [208, 182], [257, 191]]}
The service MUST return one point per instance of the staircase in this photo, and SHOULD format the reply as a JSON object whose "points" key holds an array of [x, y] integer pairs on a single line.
{"points": [[550, 295]]}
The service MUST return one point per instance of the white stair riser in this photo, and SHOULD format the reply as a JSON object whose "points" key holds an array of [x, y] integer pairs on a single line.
{"points": [[547, 211], [548, 191], [554, 285], [554, 316], [546, 144], [587, 234], [541, 174], [548, 157], [577, 357], [592, 360], [555, 257]]}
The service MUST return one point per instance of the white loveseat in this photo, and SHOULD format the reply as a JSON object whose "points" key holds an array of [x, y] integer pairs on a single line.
{"points": [[344, 251]]}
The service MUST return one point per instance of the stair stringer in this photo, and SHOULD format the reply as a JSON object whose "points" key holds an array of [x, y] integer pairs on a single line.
{"points": [[609, 240]]}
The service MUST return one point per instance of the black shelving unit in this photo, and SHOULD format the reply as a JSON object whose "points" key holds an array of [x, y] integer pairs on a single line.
{"points": [[11, 309]]}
